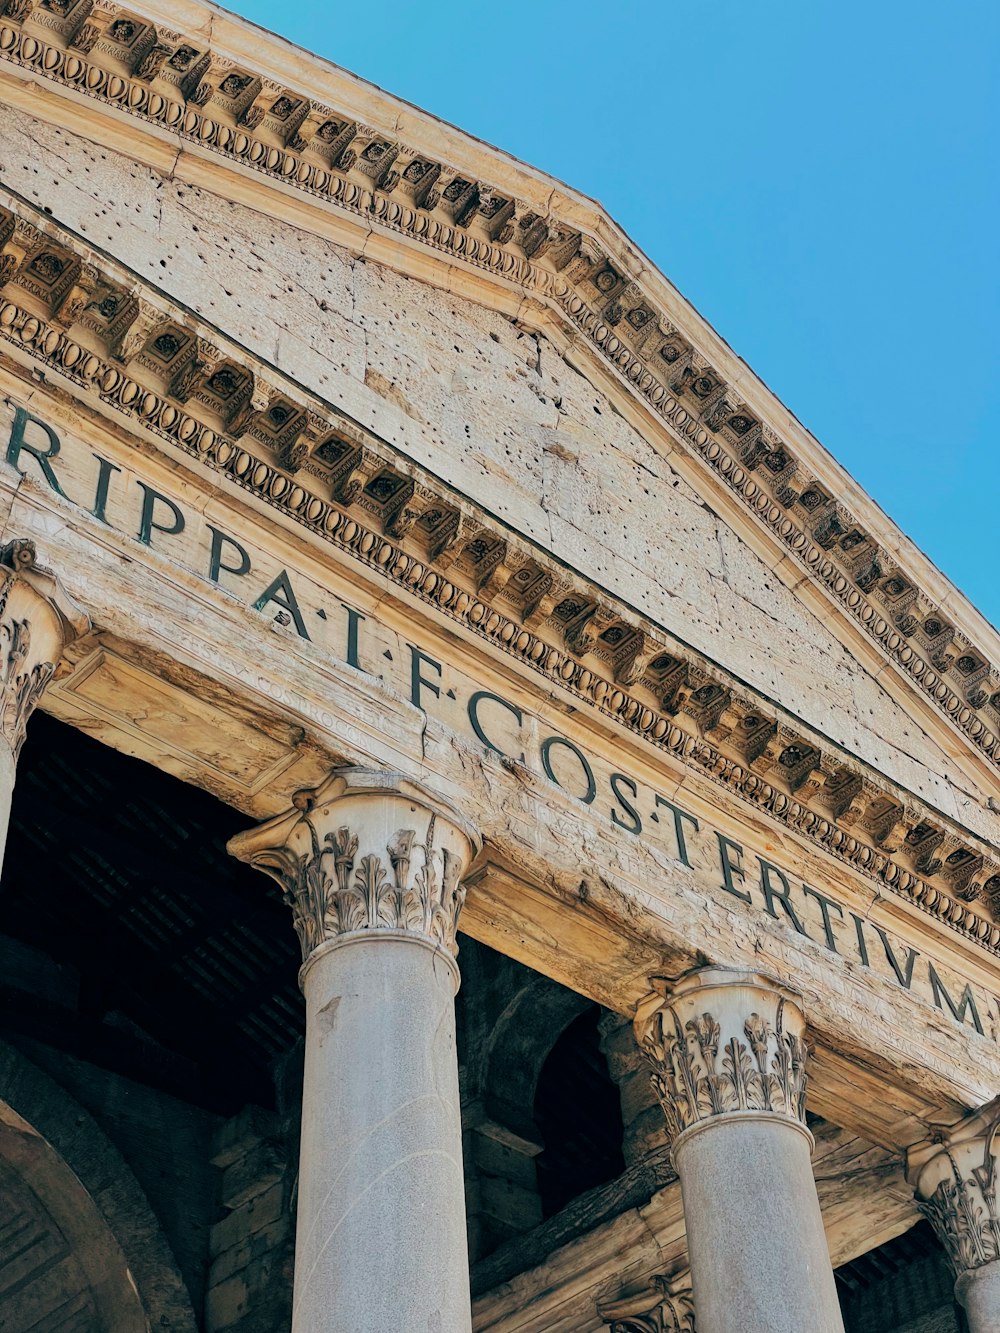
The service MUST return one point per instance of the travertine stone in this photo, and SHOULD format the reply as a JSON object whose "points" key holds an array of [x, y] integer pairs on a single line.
{"points": [[372, 867], [956, 1185], [37, 620], [729, 1066], [724, 1042]]}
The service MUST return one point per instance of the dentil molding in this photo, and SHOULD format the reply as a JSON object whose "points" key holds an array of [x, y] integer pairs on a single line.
{"points": [[96, 329]]}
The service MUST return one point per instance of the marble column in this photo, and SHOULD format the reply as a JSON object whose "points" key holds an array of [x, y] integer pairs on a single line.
{"points": [[37, 621], [371, 865], [956, 1181], [729, 1065], [665, 1305]]}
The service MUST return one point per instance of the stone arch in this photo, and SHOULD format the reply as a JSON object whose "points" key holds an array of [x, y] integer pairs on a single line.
{"points": [[546, 1082], [82, 1245], [577, 1110], [523, 1037]]}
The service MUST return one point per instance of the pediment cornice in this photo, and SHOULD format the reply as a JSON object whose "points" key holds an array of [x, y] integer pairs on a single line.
{"points": [[95, 332], [248, 98], [228, 89]]}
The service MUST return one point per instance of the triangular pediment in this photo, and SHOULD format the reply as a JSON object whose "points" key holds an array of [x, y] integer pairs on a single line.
{"points": [[686, 640], [655, 529], [265, 123]]}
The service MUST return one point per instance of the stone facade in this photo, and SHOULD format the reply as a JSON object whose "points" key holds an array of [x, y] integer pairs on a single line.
{"points": [[376, 489]]}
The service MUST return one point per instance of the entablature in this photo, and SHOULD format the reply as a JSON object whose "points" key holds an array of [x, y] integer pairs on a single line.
{"points": [[81, 322], [184, 672]]}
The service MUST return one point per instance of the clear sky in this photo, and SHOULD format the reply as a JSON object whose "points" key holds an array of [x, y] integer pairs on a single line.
{"points": [[820, 179]]}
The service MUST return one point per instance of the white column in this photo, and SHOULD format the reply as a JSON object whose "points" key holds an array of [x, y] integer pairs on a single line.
{"points": [[956, 1186], [371, 866], [37, 621], [729, 1066]]}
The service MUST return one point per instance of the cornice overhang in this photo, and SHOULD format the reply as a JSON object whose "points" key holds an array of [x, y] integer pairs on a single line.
{"points": [[95, 333], [223, 90]]}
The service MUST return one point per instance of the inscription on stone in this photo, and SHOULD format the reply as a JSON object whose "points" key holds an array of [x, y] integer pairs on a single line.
{"points": [[165, 523]]}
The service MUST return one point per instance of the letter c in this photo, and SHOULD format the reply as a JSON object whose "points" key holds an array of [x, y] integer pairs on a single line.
{"points": [[474, 702]]}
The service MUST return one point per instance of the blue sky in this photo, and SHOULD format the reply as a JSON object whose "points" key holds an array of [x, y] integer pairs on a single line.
{"points": [[820, 179]]}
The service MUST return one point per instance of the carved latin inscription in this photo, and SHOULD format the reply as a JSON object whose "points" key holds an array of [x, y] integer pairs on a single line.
{"points": [[37, 621], [366, 851], [722, 1041]]}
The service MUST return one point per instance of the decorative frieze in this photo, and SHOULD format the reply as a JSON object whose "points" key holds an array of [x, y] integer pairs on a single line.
{"points": [[366, 851], [37, 620], [307, 146], [665, 1306], [723, 1042], [956, 1183], [674, 699]]}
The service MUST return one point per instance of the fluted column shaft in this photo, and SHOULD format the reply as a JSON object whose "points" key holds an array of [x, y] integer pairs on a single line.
{"points": [[371, 865], [37, 621], [729, 1064], [956, 1183]]}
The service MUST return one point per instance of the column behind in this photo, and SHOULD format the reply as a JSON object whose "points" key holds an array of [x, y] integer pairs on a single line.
{"points": [[956, 1183], [371, 865], [37, 620], [729, 1066]]}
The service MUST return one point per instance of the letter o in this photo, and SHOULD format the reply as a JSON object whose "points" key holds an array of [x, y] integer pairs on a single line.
{"points": [[548, 744]]}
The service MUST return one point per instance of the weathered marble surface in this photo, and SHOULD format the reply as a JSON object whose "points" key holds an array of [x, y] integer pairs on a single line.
{"points": [[502, 415]]}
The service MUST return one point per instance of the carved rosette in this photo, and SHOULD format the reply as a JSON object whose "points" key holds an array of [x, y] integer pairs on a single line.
{"points": [[665, 1306], [37, 621], [366, 851], [723, 1042], [956, 1187]]}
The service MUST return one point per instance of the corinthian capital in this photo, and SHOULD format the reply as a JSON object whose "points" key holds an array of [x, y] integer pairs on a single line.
{"points": [[665, 1306], [38, 619], [956, 1187], [366, 851], [723, 1042]]}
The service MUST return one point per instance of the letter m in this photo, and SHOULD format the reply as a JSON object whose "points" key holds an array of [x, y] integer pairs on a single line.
{"points": [[967, 1004]]}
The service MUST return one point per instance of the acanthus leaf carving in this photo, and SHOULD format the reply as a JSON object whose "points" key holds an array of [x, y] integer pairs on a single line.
{"points": [[710, 1063], [37, 620], [116, 310], [956, 1182], [341, 875], [665, 1306]]}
